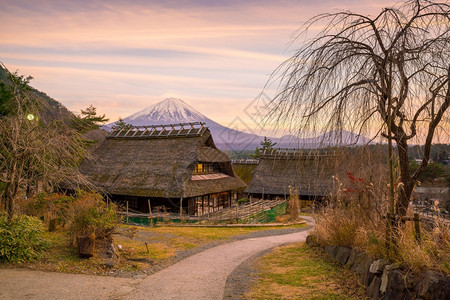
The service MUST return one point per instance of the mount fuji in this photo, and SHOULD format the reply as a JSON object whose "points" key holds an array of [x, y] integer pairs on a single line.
{"points": [[173, 111]]}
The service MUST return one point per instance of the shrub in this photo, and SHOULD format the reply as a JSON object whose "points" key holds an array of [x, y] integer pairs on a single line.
{"points": [[22, 239], [84, 212], [92, 215], [243, 201], [50, 206]]}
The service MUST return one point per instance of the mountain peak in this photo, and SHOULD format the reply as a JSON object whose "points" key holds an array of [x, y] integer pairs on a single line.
{"points": [[167, 111]]}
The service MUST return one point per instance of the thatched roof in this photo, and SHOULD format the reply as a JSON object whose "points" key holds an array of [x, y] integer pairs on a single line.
{"points": [[161, 165], [309, 173]]}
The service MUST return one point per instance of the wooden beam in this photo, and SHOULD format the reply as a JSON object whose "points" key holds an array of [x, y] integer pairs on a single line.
{"points": [[181, 207]]}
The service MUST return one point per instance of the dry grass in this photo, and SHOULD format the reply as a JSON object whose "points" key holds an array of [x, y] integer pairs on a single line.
{"points": [[433, 252], [299, 272], [348, 226]]}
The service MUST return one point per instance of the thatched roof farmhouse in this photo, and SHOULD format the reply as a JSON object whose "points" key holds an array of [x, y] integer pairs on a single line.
{"points": [[308, 172], [167, 164]]}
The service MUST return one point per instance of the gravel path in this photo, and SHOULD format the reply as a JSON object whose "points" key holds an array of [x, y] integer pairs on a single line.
{"points": [[200, 276]]}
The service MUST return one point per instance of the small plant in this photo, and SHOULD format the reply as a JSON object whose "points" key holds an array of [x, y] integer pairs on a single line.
{"points": [[21, 240], [243, 201], [92, 215], [50, 206]]}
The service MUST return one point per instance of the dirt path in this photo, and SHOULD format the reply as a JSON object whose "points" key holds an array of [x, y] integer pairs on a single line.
{"points": [[201, 276]]}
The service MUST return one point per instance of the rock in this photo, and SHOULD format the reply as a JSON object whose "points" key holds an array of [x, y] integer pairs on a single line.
{"points": [[395, 289], [373, 290], [311, 241], [432, 285], [361, 266], [331, 251], [342, 255], [86, 245], [377, 266], [385, 277], [111, 251], [351, 259], [109, 264]]}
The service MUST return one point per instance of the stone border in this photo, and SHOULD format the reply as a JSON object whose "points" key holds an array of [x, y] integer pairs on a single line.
{"points": [[385, 280]]}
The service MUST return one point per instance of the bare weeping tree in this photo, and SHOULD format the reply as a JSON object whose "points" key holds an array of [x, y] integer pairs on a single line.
{"points": [[389, 72]]}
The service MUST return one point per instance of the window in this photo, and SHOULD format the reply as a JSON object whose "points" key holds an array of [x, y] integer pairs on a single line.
{"points": [[205, 168], [198, 168]]}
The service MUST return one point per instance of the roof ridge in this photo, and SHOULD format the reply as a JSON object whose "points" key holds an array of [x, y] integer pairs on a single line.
{"points": [[192, 129]]}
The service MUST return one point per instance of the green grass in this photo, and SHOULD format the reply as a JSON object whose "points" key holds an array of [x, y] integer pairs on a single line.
{"points": [[299, 272]]}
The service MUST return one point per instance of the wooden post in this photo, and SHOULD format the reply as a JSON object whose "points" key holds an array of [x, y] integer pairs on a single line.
{"points": [[127, 211], [417, 227], [150, 217], [262, 197], [388, 231], [203, 206], [181, 207]]}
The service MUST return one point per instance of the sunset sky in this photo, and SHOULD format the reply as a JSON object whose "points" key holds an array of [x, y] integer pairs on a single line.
{"points": [[122, 56]]}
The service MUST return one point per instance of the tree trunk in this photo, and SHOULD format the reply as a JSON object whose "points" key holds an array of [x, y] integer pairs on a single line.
{"points": [[9, 200], [405, 191]]}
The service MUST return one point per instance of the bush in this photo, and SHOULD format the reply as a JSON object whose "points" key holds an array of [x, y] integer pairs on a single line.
{"points": [[22, 239], [243, 201], [50, 206], [92, 215]]}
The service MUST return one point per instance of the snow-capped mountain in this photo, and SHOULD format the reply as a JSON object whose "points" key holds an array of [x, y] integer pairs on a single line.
{"points": [[172, 111], [168, 111]]}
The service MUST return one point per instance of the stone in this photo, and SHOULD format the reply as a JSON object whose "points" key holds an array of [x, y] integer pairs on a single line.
{"points": [[385, 277], [86, 245], [351, 259], [342, 255], [361, 266], [331, 251], [432, 285], [395, 289], [109, 264], [373, 291], [377, 266], [311, 241]]}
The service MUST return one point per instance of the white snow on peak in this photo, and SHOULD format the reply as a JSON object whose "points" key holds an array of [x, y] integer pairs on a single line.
{"points": [[170, 110]]}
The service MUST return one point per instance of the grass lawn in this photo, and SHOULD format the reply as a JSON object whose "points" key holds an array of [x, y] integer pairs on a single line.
{"points": [[154, 244], [300, 272], [142, 248]]}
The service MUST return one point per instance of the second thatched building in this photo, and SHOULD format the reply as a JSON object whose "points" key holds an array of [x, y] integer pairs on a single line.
{"points": [[308, 173]]}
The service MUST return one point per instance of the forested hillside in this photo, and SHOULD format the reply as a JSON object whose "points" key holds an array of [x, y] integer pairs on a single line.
{"points": [[52, 109]]}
